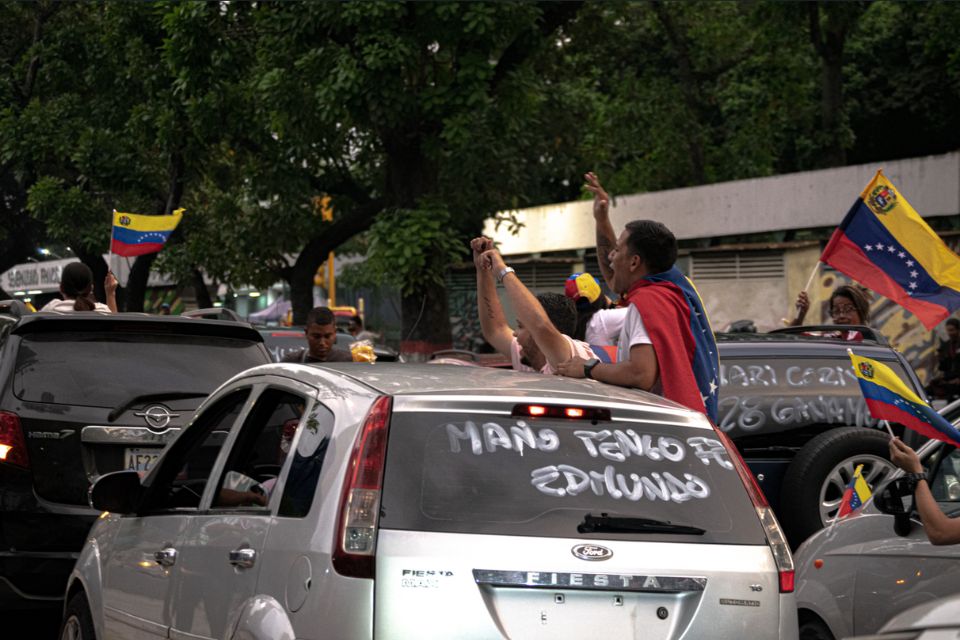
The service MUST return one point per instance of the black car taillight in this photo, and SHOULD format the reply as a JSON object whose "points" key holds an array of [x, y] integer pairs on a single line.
{"points": [[353, 550], [13, 447]]}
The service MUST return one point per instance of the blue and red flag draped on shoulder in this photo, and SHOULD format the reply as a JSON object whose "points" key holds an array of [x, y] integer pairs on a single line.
{"points": [[884, 244], [677, 324]]}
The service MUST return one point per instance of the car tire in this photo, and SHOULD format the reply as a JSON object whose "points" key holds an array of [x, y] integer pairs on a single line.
{"points": [[814, 630], [77, 621], [814, 483]]}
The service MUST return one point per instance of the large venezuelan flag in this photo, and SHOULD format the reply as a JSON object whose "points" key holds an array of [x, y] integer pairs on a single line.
{"points": [[679, 329], [136, 235], [889, 398], [885, 245]]}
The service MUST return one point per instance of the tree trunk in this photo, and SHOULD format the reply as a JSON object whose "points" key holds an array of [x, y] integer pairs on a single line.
{"points": [[426, 324], [204, 301], [136, 289]]}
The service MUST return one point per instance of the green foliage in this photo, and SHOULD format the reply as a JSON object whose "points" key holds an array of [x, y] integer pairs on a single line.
{"points": [[410, 249]]}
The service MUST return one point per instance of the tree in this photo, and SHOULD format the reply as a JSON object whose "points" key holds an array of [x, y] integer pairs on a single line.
{"points": [[396, 107]]}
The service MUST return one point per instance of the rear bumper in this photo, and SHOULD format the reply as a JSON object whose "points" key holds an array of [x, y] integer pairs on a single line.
{"points": [[39, 544]]}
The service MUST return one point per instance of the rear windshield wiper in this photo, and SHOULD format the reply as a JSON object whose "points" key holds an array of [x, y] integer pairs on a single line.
{"points": [[166, 395], [613, 524]]}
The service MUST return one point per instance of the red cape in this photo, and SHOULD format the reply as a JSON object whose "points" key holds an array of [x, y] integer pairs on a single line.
{"points": [[666, 317]]}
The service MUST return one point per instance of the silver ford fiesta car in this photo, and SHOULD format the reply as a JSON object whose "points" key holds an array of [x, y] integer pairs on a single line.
{"points": [[433, 501]]}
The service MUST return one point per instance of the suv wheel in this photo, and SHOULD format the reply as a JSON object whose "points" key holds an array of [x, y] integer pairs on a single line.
{"points": [[77, 622], [817, 477]]}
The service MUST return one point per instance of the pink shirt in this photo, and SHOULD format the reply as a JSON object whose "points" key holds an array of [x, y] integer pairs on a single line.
{"points": [[577, 348]]}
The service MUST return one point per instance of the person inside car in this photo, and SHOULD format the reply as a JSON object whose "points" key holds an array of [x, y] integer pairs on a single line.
{"points": [[947, 383], [544, 322], [76, 287], [940, 528], [321, 332], [848, 306]]}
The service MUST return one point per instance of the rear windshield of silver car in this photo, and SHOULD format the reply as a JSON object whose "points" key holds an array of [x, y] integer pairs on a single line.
{"points": [[762, 395], [495, 474], [106, 369]]}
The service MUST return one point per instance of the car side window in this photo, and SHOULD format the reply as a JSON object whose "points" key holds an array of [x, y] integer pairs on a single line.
{"points": [[257, 455], [186, 467], [945, 483], [310, 449]]}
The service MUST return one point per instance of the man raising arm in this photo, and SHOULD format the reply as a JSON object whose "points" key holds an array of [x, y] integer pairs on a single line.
{"points": [[541, 341]]}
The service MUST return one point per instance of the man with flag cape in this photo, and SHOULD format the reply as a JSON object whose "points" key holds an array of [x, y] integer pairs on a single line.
{"points": [[666, 345]]}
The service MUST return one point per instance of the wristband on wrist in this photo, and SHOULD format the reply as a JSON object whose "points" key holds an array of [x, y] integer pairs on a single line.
{"points": [[503, 274]]}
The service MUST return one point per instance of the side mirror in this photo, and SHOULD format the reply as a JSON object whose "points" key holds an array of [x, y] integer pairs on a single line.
{"points": [[896, 499], [117, 492]]}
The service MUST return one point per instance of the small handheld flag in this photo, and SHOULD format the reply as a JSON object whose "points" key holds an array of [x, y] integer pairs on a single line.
{"points": [[136, 235], [855, 495], [889, 398], [885, 245]]}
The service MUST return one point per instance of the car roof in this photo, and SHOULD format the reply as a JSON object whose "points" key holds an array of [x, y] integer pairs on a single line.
{"points": [[787, 344], [397, 379], [44, 322]]}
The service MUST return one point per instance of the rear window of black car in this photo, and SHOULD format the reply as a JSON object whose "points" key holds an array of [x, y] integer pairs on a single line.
{"points": [[106, 369], [766, 395], [491, 474]]}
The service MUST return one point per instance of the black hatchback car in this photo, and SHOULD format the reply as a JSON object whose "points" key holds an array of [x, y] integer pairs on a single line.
{"points": [[791, 403], [83, 394]]}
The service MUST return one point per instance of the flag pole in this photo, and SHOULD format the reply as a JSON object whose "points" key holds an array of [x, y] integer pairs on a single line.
{"points": [[886, 424], [110, 253], [806, 287]]}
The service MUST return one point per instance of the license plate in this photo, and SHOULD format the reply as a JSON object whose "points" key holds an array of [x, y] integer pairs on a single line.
{"points": [[140, 460]]}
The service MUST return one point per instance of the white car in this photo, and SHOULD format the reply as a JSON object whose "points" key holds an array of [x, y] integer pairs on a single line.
{"points": [[431, 501], [936, 620]]}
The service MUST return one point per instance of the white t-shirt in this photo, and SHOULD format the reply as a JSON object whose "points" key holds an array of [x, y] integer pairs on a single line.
{"points": [[577, 348], [634, 333], [605, 326], [66, 306]]}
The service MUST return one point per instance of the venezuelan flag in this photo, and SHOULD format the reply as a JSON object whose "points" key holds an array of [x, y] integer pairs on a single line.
{"points": [[889, 398], [855, 495], [885, 245], [136, 235]]}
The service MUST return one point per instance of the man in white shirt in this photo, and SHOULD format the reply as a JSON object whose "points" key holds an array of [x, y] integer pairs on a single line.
{"points": [[544, 322]]}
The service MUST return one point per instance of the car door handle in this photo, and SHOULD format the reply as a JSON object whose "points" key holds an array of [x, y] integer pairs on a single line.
{"points": [[165, 557], [243, 557]]}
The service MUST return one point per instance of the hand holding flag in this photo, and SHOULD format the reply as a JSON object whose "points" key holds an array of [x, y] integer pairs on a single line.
{"points": [[886, 246], [889, 398]]}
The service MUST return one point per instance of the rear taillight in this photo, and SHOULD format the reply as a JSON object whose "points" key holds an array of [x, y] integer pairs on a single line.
{"points": [[771, 528], [353, 553], [13, 448]]}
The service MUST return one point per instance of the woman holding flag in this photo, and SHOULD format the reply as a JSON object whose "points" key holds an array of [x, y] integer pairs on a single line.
{"points": [[940, 529]]}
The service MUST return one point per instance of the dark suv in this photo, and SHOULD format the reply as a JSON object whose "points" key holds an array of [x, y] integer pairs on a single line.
{"points": [[791, 403], [83, 394]]}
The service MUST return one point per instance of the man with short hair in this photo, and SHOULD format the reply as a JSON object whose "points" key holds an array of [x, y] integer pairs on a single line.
{"points": [[666, 345], [355, 328], [321, 333], [544, 322]]}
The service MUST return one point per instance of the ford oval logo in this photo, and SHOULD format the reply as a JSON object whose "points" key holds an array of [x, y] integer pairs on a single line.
{"points": [[592, 552]]}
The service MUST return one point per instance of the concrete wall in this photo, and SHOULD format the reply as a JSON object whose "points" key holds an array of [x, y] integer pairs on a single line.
{"points": [[792, 201]]}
